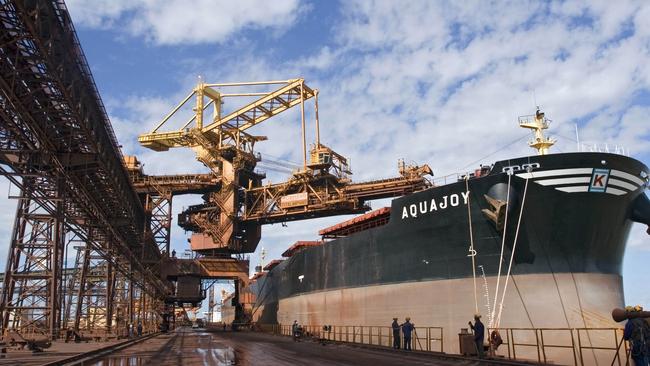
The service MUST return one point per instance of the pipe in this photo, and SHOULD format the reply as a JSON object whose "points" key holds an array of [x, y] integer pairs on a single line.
{"points": [[317, 122], [619, 314], [302, 118]]}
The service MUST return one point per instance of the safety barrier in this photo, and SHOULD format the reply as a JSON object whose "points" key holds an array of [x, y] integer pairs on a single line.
{"points": [[568, 346], [429, 339]]}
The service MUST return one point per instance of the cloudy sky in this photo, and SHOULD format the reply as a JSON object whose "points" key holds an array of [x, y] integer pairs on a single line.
{"points": [[428, 81]]}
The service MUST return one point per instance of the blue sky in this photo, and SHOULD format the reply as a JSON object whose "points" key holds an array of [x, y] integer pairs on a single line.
{"points": [[419, 80]]}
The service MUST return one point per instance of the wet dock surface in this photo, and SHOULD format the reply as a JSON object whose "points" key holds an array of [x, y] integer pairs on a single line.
{"points": [[199, 347], [57, 352]]}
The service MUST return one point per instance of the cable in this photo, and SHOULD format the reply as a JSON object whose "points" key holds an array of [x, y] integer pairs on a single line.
{"points": [[274, 168], [512, 254], [278, 158], [471, 242], [501, 149], [503, 244], [278, 163]]}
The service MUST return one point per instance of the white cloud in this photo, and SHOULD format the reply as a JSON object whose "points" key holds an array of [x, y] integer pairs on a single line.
{"points": [[101, 14], [397, 89], [323, 60], [432, 82], [180, 22], [639, 237]]}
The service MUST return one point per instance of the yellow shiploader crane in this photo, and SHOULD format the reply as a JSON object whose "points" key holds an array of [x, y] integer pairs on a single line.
{"points": [[230, 219]]}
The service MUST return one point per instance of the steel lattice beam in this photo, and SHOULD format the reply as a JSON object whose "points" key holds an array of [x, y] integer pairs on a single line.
{"points": [[58, 148]]}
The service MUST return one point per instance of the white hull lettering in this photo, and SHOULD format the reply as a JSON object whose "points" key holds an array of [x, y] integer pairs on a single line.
{"points": [[423, 207], [465, 196], [413, 210], [454, 200]]}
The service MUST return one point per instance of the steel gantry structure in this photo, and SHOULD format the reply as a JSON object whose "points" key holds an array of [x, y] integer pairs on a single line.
{"points": [[230, 219], [238, 203], [58, 148]]}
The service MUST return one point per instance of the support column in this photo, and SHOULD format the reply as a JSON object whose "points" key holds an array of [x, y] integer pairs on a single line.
{"points": [[30, 300], [159, 209], [121, 305], [72, 290], [56, 279], [239, 309], [95, 305], [110, 298], [131, 307]]}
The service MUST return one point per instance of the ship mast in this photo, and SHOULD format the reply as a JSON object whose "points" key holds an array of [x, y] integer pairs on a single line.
{"points": [[538, 123]]}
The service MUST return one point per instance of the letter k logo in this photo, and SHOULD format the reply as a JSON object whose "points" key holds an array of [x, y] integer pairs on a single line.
{"points": [[599, 180]]}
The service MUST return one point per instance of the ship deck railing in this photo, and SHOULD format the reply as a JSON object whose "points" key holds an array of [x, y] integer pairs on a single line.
{"points": [[568, 346], [455, 177], [603, 147]]}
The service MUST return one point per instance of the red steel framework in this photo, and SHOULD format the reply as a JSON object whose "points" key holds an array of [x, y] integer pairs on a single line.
{"points": [[58, 148]]}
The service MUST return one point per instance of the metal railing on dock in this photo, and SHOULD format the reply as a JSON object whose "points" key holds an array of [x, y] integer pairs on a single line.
{"points": [[571, 346], [568, 346], [428, 339]]}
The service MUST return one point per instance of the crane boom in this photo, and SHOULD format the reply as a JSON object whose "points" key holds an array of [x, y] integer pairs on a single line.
{"points": [[236, 201], [268, 104]]}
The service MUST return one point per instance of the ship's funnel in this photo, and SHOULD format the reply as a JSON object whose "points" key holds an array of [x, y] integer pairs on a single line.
{"points": [[619, 314]]}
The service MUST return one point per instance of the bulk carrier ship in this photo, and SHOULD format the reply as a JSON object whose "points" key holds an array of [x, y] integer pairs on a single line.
{"points": [[532, 242]]}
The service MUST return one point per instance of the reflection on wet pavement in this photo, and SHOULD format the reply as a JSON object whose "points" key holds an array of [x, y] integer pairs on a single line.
{"points": [[183, 347], [199, 347]]}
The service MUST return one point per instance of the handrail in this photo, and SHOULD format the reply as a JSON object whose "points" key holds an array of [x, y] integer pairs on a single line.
{"points": [[430, 339], [603, 147], [542, 345], [537, 339]]}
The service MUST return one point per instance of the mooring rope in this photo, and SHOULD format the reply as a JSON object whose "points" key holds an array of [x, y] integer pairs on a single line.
{"points": [[503, 244], [512, 254], [471, 242]]}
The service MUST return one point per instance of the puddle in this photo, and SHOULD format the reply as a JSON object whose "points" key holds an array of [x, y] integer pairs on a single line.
{"points": [[121, 361], [199, 349], [217, 356]]}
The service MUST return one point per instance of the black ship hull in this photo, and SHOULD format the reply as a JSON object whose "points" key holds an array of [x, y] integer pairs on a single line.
{"points": [[568, 218]]}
